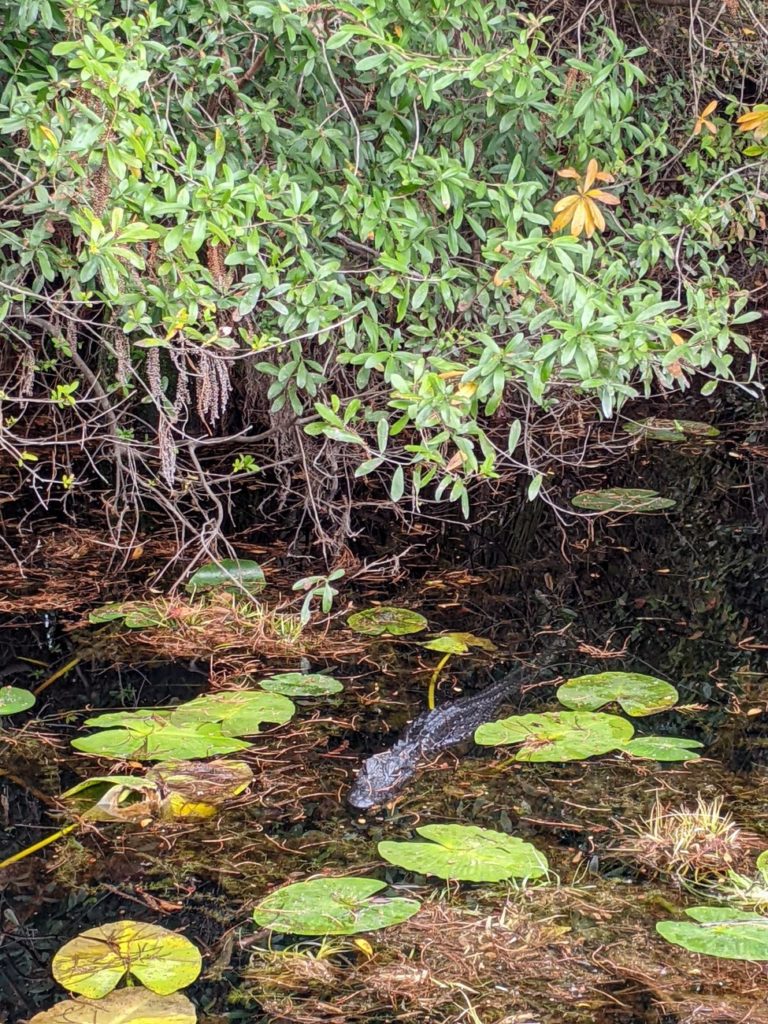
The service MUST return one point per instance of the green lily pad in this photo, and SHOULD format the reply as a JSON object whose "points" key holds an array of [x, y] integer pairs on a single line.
{"points": [[98, 959], [663, 748], [139, 720], [143, 616], [467, 852], [558, 735], [637, 694], [106, 613], [300, 684], [458, 643], [387, 621], [237, 712], [332, 906], [723, 932], [125, 1006], [656, 429], [229, 573], [161, 742], [621, 499], [14, 699]]}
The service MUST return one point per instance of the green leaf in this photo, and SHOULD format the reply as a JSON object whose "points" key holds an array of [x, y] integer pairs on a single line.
{"points": [[160, 743], [299, 684], [458, 643], [106, 613], [637, 694], [467, 852], [124, 1006], [14, 699], [235, 712], [387, 621], [397, 487], [557, 735], [621, 499], [229, 573], [656, 429], [98, 959], [332, 906], [663, 748], [723, 932], [762, 864]]}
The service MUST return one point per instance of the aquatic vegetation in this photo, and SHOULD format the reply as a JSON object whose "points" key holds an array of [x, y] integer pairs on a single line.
{"points": [[557, 735], [236, 712], [724, 932], [300, 684], [663, 748], [468, 853], [97, 960], [458, 643], [387, 621], [332, 906], [656, 429], [637, 694], [134, 614], [14, 699], [172, 791], [622, 499], [689, 842], [450, 644], [158, 740], [232, 574], [203, 727], [123, 1006]]}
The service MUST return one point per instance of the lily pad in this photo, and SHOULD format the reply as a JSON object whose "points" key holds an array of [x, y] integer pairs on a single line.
{"points": [[300, 684], [138, 720], [387, 621], [237, 712], [663, 748], [467, 852], [98, 959], [332, 906], [656, 429], [229, 573], [125, 1006], [106, 613], [558, 735], [723, 932], [621, 499], [637, 694], [160, 742], [143, 616], [458, 643], [14, 699], [111, 798], [198, 789]]}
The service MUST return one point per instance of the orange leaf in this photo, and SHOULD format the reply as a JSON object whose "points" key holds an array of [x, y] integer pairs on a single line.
{"points": [[604, 197], [569, 172], [597, 217], [562, 220], [579, 219], [565, 204], [589, 177]]}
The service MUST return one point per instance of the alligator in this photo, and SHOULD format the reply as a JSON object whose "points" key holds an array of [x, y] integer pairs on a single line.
{"points": [[384, 775]]}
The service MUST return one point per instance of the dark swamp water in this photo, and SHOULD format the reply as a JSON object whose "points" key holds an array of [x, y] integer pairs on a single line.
{"points": [[681, 596]]}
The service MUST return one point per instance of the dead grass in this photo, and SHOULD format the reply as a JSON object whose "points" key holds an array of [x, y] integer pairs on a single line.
{"points": [[689, 842]]}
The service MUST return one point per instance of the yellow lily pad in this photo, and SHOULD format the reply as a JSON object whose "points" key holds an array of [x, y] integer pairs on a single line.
{"points": [[126, 1006], [98, 959]]}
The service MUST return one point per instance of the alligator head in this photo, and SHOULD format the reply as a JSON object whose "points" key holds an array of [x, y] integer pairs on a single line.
{"points": [[382, 776]]}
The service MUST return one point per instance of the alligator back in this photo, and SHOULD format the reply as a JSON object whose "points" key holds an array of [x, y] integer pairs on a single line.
{"points": [[384, 775]]}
